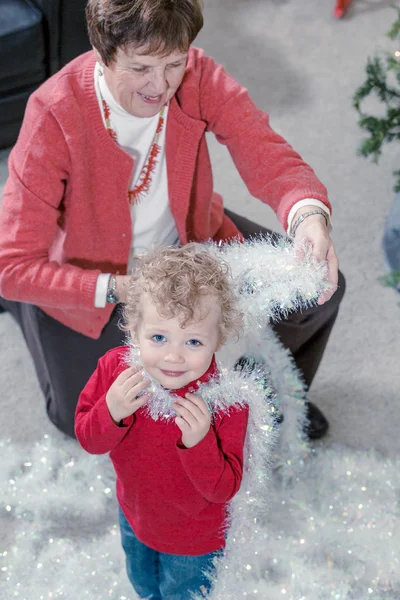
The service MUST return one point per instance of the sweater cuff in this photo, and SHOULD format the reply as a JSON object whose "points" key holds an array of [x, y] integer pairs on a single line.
{"points": [[88, 288], [124, 423], [104, 429]]}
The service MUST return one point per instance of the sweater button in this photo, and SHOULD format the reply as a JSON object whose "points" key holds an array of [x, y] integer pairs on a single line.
{"points": [[124, 235]]}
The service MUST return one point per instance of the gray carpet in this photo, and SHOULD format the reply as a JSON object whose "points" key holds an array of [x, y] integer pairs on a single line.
{"points": [[302, 66]]}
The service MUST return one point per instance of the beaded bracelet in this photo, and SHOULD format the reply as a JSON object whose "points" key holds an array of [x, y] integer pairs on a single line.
{"points": [[298, 221]]}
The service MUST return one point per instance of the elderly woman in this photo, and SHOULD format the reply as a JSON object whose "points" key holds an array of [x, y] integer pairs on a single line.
{"points": [[111, 161]]}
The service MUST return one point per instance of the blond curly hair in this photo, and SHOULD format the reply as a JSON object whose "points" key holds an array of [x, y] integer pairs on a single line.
{"points": [[177, 279]]}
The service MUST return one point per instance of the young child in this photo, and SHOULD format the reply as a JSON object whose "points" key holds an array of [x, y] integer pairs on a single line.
{"points": [[178, 461]]}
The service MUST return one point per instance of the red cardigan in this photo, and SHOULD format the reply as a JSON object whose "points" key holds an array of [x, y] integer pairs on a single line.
{"points": [[65, 216], [173, 497]]}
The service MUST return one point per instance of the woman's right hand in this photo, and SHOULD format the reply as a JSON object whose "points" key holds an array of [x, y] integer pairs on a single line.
{"points": [[122, 397]]}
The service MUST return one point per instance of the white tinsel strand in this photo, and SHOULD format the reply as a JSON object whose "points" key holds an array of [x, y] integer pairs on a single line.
{"points": [[271, 281], [289, 398], [287, 391], [269, 278]]}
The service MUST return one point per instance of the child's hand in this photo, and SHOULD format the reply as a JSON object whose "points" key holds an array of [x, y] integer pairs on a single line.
{"points": [[121, 398], [194, 419]]}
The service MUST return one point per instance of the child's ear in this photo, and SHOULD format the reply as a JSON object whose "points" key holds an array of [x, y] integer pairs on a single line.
{"points": [[221, 342], [134, 335]]}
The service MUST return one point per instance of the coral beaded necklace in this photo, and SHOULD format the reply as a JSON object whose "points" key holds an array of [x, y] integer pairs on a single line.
{"points": [[144, 180]]}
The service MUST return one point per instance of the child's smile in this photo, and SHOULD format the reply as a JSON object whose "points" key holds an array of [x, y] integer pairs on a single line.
{"points": [[172, 373]]}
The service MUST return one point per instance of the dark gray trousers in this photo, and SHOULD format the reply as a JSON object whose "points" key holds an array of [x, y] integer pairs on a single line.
{"points": [[64, 359]]}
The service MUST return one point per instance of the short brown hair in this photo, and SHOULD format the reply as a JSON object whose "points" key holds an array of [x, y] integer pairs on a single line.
{"points": [[154, 26], [176, 279]]}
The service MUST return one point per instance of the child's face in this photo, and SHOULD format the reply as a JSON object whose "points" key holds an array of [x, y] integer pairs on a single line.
{"points": [[173, 355]]}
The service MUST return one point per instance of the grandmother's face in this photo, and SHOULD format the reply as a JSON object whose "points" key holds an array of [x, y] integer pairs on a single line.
{"points": [[142, 83]]}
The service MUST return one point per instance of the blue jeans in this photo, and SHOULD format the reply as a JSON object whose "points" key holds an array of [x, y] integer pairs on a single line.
{"points": [[159, 576]]}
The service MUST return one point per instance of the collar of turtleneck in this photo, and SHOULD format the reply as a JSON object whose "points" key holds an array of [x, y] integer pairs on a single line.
{"points": [[193, 386]]}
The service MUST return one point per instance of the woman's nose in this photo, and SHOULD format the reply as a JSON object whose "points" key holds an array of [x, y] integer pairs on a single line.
{"points": [[158, 82]]}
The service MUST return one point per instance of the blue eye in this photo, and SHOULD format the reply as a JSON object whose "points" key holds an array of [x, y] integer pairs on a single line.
{"points": [[194, 343], [158, 337]]}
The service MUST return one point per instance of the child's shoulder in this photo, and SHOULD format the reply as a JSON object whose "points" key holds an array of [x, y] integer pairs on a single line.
{"points": [[115, 358]]}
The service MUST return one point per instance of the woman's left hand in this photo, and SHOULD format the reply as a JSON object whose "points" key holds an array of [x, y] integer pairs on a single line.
{"points": [[194, 419], [314, 230]]}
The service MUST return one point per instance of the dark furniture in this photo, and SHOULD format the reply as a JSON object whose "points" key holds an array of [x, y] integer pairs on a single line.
{"points": [[37, 37]]}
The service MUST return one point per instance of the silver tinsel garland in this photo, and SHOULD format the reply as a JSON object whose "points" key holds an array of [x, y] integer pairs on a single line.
{"points": [[269, 281]]}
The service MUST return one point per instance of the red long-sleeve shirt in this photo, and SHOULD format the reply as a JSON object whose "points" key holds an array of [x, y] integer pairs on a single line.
{"points": [[173, 497]]}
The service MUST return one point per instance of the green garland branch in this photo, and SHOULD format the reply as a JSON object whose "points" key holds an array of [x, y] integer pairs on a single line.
{"points": [[383, 129]]}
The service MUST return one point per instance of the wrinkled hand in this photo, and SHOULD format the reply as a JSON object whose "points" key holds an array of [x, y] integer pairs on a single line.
{"points": [[122, 397], [194, 419], [314, 230]]}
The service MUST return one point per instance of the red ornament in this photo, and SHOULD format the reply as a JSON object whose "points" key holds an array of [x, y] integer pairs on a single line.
{"points": [[340, 8]]}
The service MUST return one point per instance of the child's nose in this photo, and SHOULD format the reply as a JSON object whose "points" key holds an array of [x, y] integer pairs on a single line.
{"points": [[174, 357]]}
